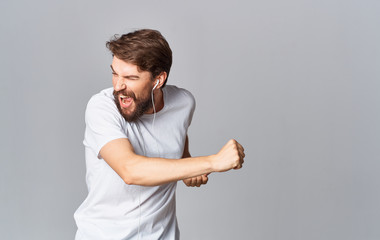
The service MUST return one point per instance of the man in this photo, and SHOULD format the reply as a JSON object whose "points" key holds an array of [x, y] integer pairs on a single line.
{"points": [[136, 146]]}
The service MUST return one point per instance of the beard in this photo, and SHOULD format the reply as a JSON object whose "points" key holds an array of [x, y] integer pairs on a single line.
{"points": [[141, 105]]}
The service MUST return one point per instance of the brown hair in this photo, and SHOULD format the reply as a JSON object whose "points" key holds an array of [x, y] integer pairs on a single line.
{"points": [[145, 48]]}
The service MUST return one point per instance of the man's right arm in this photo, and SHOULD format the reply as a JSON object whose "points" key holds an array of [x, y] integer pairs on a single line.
{"points": [[140, 170]]}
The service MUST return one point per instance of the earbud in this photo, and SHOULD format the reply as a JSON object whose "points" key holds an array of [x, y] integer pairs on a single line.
{"points": [[158, 81]]}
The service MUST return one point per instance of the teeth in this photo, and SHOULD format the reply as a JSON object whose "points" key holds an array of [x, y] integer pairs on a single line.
{"points": [[124, 99]]}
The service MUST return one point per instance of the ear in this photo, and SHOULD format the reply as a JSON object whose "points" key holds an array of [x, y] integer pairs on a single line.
{"points": [[161, 79]]}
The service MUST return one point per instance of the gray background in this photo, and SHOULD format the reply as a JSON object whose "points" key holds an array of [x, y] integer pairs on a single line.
{"points": [[297, 82]]}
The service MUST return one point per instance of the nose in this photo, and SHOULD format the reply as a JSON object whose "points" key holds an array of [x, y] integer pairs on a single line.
{"points": [[119, 83]]}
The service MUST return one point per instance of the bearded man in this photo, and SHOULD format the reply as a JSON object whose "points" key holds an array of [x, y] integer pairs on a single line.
{"points": [[136, 146]]}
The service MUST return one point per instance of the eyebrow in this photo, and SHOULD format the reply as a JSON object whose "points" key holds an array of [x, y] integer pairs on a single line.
{"points": [[127, 76]]}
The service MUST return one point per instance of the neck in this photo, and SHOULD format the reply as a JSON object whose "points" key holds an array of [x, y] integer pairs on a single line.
{"points": [[158, 101]]}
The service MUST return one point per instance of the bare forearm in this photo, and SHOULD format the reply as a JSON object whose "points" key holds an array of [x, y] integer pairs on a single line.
{"points": [[141, 170], [156, 171]]}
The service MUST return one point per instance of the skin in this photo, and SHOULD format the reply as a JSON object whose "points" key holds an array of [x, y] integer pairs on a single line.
{"points": [[140, 170], [194, 181]]}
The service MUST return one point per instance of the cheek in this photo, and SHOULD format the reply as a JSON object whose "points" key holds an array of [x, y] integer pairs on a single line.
{"points": [[141, 91]]}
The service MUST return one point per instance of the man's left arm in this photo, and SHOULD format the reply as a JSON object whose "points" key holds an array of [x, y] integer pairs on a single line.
{"points": [[194, 181]]}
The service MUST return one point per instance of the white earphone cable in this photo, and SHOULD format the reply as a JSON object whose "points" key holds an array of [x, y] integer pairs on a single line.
{"points": [[153, 121]]}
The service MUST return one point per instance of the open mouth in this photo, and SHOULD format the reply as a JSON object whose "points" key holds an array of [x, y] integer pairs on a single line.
{"points": [[125, 101]]}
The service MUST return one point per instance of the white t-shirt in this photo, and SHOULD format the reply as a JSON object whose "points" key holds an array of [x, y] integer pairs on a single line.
{"points": [[113, 209]]}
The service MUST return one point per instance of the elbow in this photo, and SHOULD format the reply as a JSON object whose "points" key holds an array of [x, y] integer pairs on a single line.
{"points": [[130, 179], [133, 175], [127, 175], [134, 179]]}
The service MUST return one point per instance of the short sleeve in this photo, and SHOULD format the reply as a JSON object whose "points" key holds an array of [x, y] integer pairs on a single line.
{"points": [[103, 123], [190, 102]]}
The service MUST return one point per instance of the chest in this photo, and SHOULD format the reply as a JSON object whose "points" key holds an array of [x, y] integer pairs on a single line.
{"points": [[163, 139]]}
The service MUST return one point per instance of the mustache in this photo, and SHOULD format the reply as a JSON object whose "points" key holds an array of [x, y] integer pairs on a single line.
{"points": [[127, 93]]}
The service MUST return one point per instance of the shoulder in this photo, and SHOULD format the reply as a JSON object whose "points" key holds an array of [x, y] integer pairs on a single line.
{"points": [[102, 104], [103, 121], [104, 97], [102, 100], [179, 94]]}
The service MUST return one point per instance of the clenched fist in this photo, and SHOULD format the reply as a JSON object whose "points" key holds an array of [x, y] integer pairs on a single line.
{"points": [[231, 156], [196, 181]]}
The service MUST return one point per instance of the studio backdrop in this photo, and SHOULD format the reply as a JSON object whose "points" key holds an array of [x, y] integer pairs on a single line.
{"points": [[296, 82]]}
